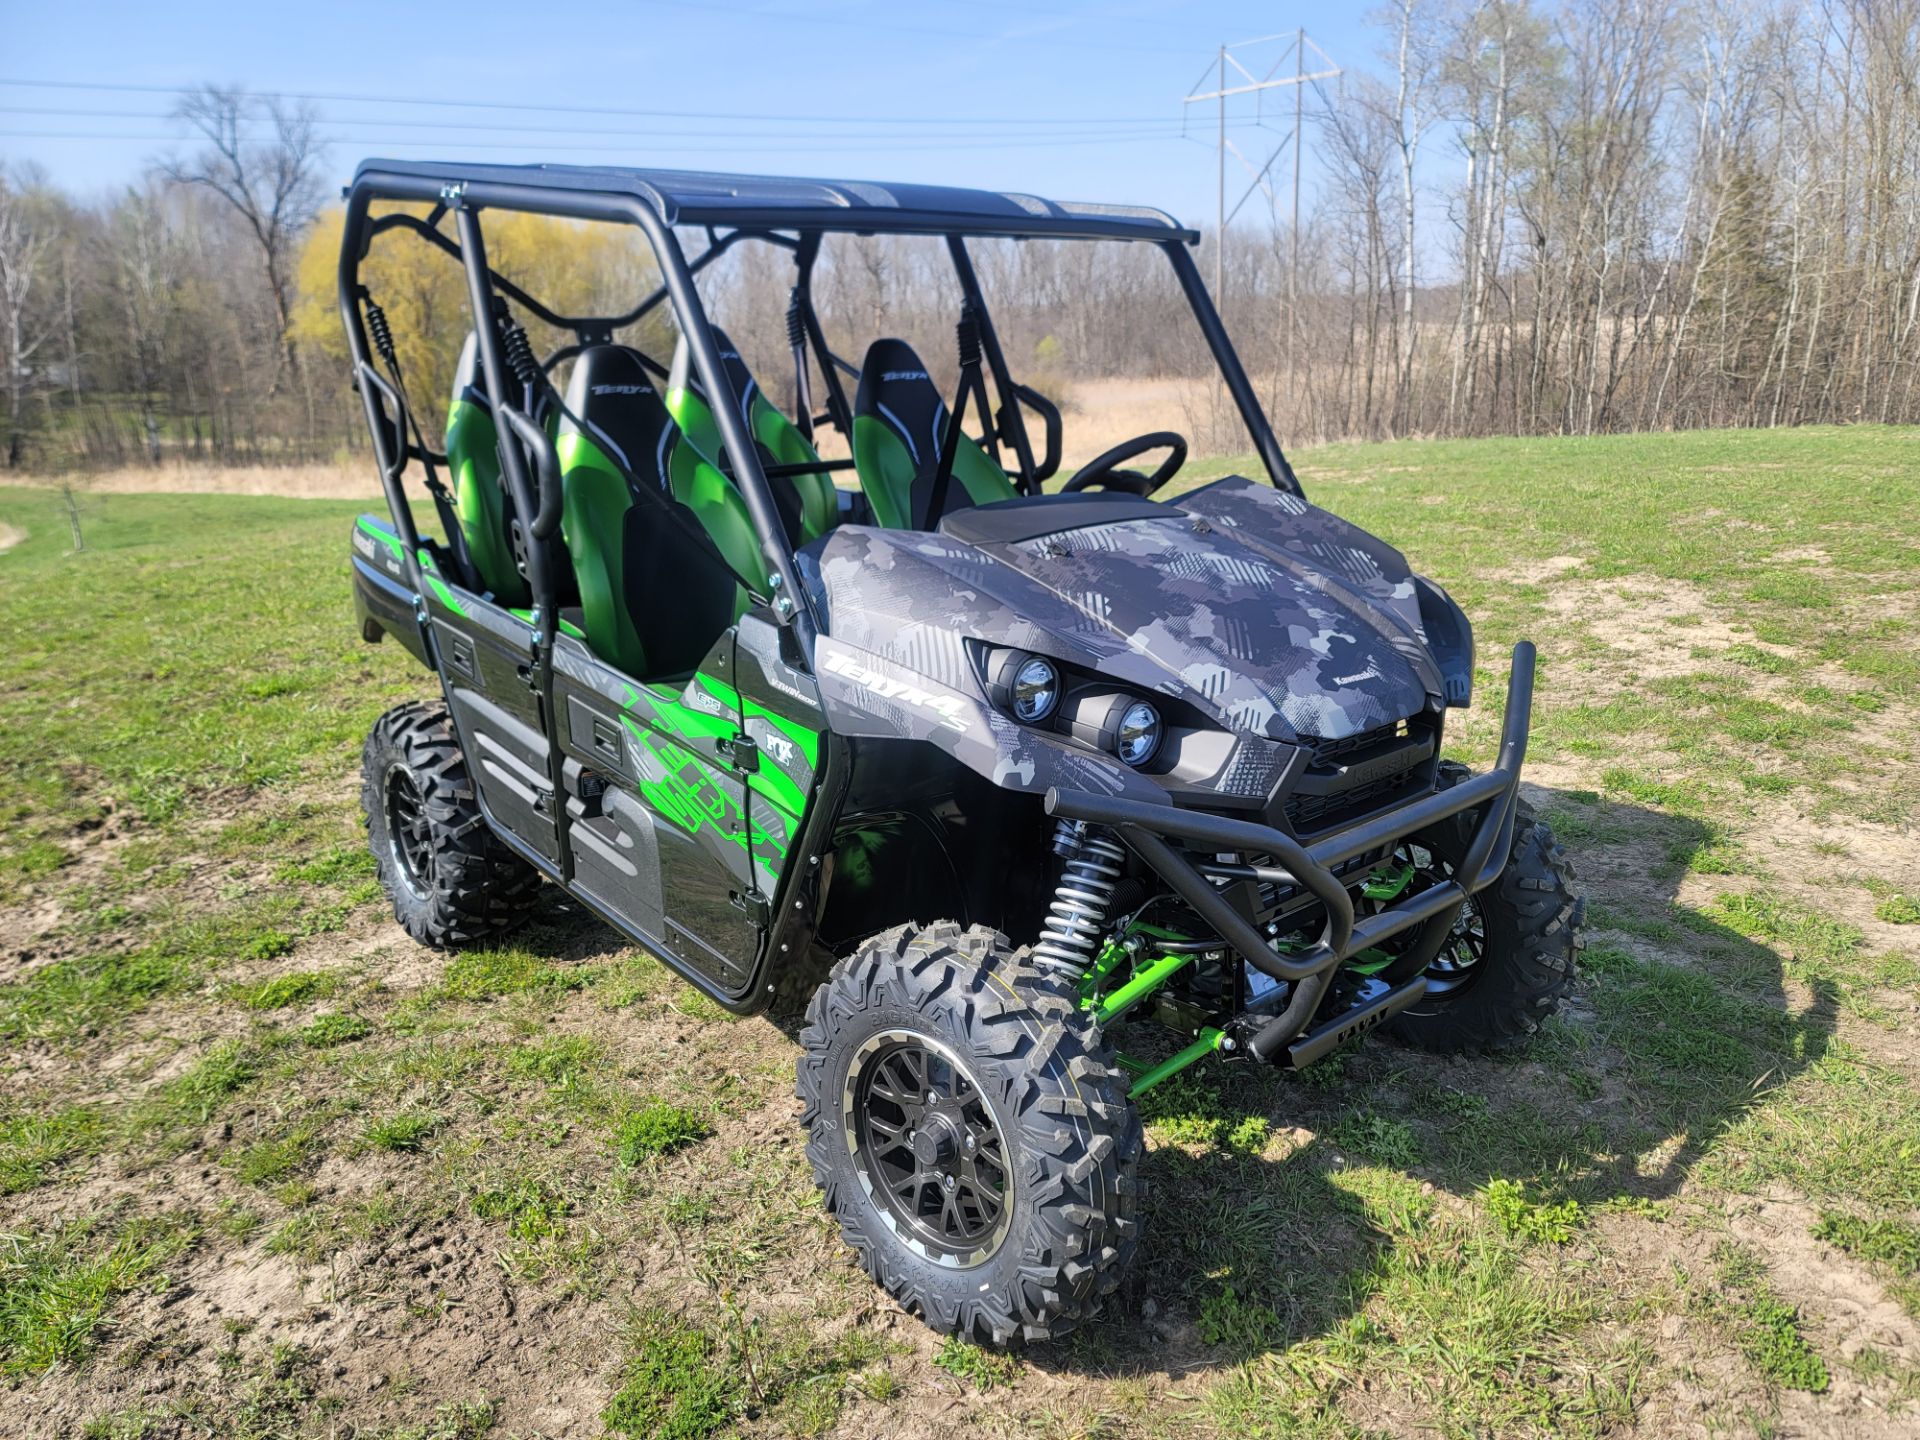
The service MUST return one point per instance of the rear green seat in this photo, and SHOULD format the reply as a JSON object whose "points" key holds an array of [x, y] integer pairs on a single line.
{"points": [[473, 458], [810, 501]]}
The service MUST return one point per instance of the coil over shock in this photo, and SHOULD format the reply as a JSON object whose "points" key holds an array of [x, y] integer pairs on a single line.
{"points": [[1081, 900], [519, 355], [380, 331]]}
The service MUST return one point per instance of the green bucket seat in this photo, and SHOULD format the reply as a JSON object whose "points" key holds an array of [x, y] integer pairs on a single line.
{"points": [[657, 536], [481, 503], [473, 460], [899, 424], [808, 503]]}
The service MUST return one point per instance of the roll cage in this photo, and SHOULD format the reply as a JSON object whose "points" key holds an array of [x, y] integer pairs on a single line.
{"points": [[795, 215]]}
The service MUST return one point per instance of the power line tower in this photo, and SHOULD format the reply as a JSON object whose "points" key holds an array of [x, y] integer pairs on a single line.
{"points": [[1296, 49]]}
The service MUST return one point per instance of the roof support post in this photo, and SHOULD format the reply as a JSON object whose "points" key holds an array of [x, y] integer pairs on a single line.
{"points": [[997, 362], [1241, 388]]}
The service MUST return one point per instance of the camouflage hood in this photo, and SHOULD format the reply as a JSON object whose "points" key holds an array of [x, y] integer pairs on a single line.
{"points": [[1273, 616]]}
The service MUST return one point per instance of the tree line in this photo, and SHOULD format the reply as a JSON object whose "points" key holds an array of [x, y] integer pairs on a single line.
{"points": [[1528, 217]]}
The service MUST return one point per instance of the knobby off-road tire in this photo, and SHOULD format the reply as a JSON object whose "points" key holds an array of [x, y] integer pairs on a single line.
{"points": [[1526, 928], [451, 880], [1069, 1136]]}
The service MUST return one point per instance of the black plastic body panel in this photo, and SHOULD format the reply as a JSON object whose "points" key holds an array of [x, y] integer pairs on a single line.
{"points": [[383, 601]]}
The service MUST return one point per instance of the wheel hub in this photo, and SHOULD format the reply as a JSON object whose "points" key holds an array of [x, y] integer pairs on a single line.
{"points": [[928, 1149], [935, 1143], [1456, 963], [408, 831]]}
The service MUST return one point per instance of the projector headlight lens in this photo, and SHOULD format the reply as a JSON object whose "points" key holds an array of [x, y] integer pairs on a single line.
{"points": [[1140, 732], [1036, 690]]}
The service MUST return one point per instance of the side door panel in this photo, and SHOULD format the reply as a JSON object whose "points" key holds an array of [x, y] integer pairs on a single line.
{"points": [[669, 848], [484, 654], [781, 714]]}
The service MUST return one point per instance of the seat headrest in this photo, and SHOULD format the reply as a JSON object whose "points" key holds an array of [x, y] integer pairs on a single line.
{"points": [[681, 375], [612, 400], [896, 389], [469, 383]]}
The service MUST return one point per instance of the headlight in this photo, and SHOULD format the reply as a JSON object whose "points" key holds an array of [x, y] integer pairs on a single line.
{"points": [[1138, 738], [1035, 690]]}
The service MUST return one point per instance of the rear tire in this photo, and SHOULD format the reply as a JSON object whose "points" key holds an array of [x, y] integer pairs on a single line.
{"points": [[1524, 930], [451, 879], [1024, 1108]]}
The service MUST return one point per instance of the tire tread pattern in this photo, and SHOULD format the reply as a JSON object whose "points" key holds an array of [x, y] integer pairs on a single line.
{"points": [[1534, 918], [480, 889], [1077, 1133]]}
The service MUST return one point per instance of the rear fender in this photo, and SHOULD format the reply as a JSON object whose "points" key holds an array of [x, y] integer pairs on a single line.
{"points": [[383, 601]]}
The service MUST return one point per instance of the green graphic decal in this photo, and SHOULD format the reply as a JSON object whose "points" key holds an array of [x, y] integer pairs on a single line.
{"points": [[685, 786], [391, 541], [439, 586]]}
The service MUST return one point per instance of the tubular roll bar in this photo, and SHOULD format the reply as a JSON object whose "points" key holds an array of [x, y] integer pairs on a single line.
{"points": [[798, 232], [466, 200], [1145, 827]]}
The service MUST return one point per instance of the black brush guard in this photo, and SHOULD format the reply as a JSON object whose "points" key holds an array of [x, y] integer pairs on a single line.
{"points": [[1145, 828]]}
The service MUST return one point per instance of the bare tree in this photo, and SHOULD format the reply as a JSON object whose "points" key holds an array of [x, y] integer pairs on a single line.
{"points": [[23, 248], [272, 183], [146, 260], [1414, 66]]}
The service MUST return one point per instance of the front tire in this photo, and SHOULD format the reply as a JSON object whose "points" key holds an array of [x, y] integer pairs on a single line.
{"points": [[1506, 963], [452, 881], [971, 1132]]}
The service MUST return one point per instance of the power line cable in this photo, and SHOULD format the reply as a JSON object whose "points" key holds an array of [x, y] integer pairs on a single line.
{"points": [[891, 122], [838, 144], [1161, 126]]}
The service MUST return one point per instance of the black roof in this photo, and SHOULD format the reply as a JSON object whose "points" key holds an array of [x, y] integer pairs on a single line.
{"points": [[701, 197]]}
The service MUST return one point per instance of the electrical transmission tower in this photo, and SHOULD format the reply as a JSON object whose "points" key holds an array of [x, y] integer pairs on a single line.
{"points": [[1296, 50]]}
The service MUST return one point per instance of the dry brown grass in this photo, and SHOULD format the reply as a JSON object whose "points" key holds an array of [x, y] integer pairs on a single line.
{"points": [[293, 482]]}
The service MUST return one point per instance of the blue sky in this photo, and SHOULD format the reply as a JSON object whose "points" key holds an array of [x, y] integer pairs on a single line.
{"points": [[858, 88]]}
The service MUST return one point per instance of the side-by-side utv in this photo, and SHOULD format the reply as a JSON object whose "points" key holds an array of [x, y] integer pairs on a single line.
{"points": [[979, 769]]}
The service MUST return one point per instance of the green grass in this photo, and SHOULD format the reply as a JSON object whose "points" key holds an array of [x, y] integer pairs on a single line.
{"points": [[982, 1369], [685, 1381], [1383, 1243], [1521, 1215], [285, 990], [326, 1031], [56, 1290], [1767, 1329], [403, 1133], [657, 1128], [32, 1147], [1889, 1246]]}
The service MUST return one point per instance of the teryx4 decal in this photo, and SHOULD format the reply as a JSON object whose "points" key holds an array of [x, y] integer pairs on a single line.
{"points": [[950, 709]]}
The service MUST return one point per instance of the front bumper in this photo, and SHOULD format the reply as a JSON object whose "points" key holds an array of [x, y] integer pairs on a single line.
{"points": [[1275, 856]]}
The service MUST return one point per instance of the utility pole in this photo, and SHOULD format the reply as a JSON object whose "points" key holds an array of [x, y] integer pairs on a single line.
{"points": [[1297, 46]]}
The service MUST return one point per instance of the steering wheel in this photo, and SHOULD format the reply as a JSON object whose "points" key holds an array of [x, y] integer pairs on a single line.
{"points": [[1103, 471]]}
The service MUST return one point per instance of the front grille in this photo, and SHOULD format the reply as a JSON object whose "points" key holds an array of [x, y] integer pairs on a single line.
{"points": [[1325, 752], [1319, 812], [1357, 774]]}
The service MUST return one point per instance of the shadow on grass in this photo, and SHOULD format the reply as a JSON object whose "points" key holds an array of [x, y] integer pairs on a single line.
{"points": [[1279, 1204], [1676, 1028]]}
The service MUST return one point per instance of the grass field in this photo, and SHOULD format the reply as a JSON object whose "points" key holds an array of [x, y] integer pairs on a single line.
{"points": [[268, 1169]]}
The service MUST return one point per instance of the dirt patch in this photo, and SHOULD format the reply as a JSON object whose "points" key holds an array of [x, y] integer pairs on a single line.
{"points": [[1533, 572], [1654, 625], [10, 536]]}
